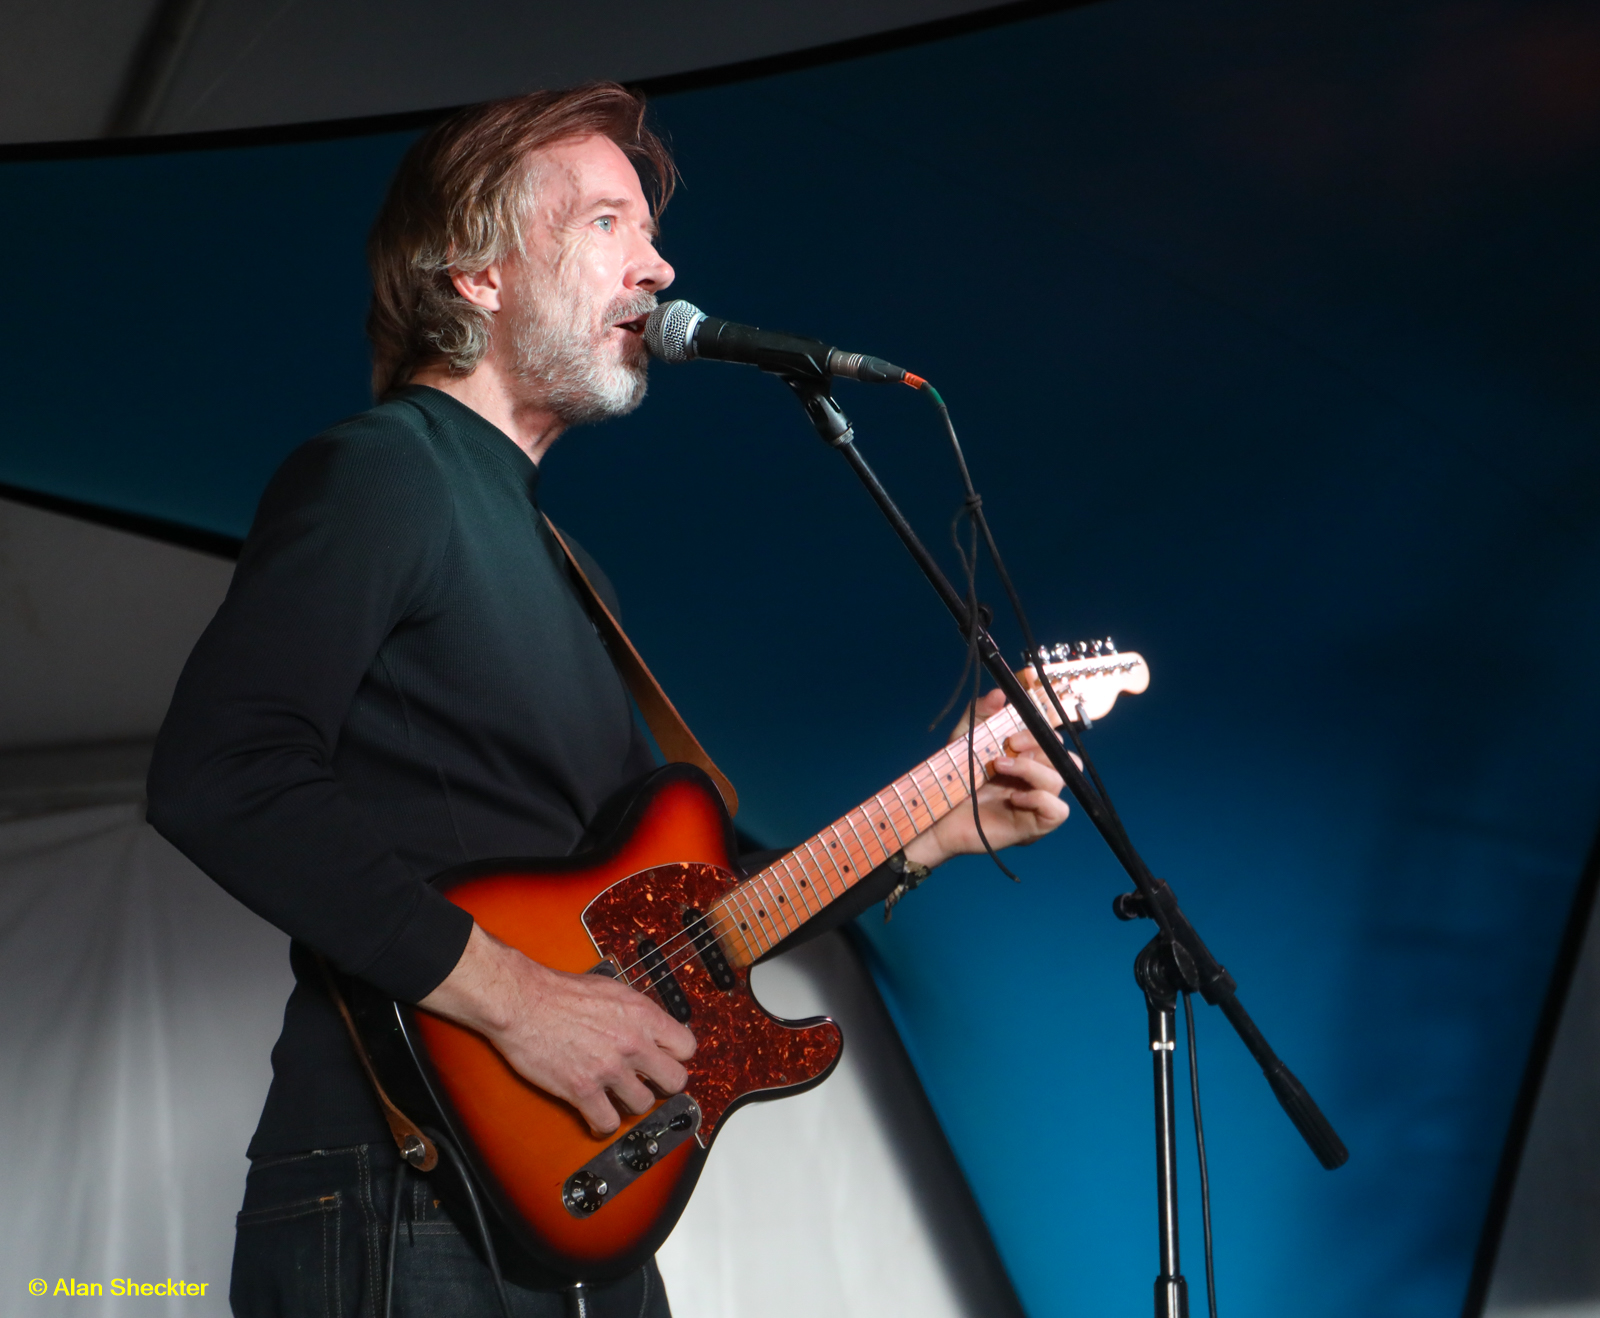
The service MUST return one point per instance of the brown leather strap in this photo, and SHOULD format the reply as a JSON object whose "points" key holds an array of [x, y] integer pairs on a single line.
{"points": [[415, 1147], [671, 732]]}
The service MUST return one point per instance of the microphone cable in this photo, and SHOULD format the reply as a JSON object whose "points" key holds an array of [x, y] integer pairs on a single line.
{"points": [[1200, 1151], [972, 509], [482, 1222]]}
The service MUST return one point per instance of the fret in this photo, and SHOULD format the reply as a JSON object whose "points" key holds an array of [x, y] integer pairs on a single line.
{"points": [[720, 921], [755, 918], [767, 901], [864, 810], [959, 767], [910, 817], [957, 777], [741, 927], [802, 884], [791, 891], [850, 820], [832, 860], [767, 907], [749, 926], [929, 769], [812, 869], [888, 818]]}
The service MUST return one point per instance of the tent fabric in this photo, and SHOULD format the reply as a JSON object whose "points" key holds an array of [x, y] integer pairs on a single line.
{"points": [[138, 1004], [95, 625], [1546, 1264], [68, 71]]}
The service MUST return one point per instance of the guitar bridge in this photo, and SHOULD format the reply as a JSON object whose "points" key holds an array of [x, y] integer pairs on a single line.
{"points": [[620, 1164]]}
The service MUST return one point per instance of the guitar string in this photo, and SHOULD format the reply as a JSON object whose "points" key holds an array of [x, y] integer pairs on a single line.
{"points": [[719, 926], [684, 947], [679, 941], [685, 944]]}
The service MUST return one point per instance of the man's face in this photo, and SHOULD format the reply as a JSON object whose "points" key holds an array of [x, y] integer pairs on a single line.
{"points": [[576, 301]]}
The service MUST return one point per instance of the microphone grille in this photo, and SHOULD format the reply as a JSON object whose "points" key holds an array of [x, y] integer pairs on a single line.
{"points": [[669, 332]]}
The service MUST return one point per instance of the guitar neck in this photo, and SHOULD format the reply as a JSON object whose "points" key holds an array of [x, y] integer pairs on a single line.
{"points": [[771, 905]]}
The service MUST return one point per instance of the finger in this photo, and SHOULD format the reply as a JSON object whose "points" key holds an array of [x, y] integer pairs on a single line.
{"points": [[1020, 742], [596, 1109], [632, 1093], [676, 1041], [665, 1074], [1045, 804], [1035, 773]]}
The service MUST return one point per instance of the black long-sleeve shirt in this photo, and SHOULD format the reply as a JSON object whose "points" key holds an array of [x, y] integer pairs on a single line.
{"points": [[401, 678]]}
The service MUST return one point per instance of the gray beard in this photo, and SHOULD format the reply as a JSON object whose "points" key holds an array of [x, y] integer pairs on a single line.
{"points": [[559, 354]]}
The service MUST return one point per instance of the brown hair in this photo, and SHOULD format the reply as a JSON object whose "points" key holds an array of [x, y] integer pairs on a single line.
{"points": [[457, 203]]}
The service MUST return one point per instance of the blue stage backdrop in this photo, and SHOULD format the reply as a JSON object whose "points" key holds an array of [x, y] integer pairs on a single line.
{"points": [[1272, 337]]}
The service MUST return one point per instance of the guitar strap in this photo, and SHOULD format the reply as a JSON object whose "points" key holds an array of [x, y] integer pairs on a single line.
{"points": [[677, 744], [415, 1147], [672, 734]]}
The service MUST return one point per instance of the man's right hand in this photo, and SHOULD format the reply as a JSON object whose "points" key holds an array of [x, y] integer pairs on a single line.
{"points": [[587, 1039]]}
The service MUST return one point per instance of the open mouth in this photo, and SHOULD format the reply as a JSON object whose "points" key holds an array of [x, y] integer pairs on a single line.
{"points": [[634, 324]]}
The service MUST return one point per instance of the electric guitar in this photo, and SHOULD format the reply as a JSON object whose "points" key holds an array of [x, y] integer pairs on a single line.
{"points": [[662, 906]]}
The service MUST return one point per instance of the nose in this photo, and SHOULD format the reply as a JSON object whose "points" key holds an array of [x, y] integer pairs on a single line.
{"points": [[650, 270]]}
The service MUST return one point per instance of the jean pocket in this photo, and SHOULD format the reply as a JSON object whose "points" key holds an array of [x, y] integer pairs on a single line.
{"points": [[287, 1260]]}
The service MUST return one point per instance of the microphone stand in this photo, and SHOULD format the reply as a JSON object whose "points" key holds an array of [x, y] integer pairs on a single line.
{"points": [[1177, 958]]}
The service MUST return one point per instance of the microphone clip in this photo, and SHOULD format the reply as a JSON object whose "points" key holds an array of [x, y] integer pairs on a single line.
{"points": [[826, 415]]}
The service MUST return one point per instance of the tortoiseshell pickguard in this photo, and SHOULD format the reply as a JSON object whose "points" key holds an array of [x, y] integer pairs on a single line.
{"points": [[741, 1049]]}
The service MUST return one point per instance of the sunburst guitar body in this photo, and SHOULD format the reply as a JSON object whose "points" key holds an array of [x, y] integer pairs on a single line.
{"points": [[662, 905]]}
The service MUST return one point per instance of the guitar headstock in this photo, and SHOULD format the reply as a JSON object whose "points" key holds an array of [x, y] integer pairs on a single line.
{"points": [[1087, 677]]}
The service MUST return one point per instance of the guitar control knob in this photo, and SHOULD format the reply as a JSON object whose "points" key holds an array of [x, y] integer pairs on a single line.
{"points": [[683, 1121], [639, 1150], [585, 1192]]}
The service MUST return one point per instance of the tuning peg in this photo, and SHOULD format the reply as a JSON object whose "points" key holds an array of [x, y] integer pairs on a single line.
{"points": [[1111, 646], [1098, 646], [1080, 649], [1060, 653]]}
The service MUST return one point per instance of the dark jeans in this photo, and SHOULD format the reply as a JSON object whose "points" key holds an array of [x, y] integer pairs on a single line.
{"points": [[313, 1236]]}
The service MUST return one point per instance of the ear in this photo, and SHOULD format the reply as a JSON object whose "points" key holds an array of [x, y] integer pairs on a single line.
{"points": [[481, 289]]}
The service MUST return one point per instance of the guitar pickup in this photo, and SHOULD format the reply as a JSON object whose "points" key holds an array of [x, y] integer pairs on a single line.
{"points": [[705, 942], [621, 1163], [664, 981]]}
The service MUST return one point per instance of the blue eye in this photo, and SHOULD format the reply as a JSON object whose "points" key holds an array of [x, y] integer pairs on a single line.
{"points": [[606, 223]]}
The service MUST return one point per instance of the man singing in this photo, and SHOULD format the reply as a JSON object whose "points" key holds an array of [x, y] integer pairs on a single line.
{"points": [[403, 678]]}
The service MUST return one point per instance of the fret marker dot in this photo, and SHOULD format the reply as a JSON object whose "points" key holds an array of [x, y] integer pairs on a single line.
{"points": [[743, 925], [762, 914], [802, 883], [782, 898]]}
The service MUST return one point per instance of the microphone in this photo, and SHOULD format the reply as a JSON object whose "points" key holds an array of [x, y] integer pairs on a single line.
{"points": [[679, 331]]}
